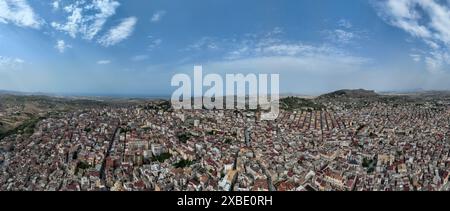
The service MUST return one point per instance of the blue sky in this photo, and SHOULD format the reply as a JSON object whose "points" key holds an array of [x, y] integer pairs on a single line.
{"points": [[135, 47]]}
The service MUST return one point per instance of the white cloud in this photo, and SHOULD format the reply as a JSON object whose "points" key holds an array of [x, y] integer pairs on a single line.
{"points": [[432, 44], [86, 18], [154, 44], [341, 36], [204, 43], [276, 31], [8, 63], [157, 16], [402, 14], [119, 33], [344, 34], [316, 64], [268, 52], [238, 45], [428, 20], [288, 49], [55, 4], [20, 13], [437, 61], [62, 46], [416, 57], [139, 58], [103, 62], [238, 53], [440, 18], [265, 48], [73, 25], [345, 24], [271, 46]]}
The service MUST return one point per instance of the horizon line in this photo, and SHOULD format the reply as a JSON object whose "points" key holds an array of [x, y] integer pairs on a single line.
{"points": [[164, 96]]}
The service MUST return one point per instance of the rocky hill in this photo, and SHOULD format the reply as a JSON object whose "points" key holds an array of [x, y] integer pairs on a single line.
{"points": [[350, 93]]}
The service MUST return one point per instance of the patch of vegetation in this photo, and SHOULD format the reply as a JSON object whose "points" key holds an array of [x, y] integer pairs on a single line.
{"points": [[183, 163], [369, 164], [183, 137], [26, 128], [163, 105], [146, 128], [161, 158], [295, 103], [81, 165], [228, 141], [125, 130], [366, 162]]}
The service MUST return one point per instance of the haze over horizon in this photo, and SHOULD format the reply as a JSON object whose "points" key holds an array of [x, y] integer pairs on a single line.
{"points": [[117, 47]]}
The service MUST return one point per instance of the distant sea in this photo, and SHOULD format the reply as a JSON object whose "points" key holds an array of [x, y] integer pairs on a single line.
{"points": [[90, 95], [140, 96]]}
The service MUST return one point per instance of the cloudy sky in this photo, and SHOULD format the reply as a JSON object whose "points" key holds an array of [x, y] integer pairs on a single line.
{"points": [[135, 47]]}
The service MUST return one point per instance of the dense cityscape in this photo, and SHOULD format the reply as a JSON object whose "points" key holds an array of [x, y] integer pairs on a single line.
{"points": [[225, 104], [346, 144]]}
